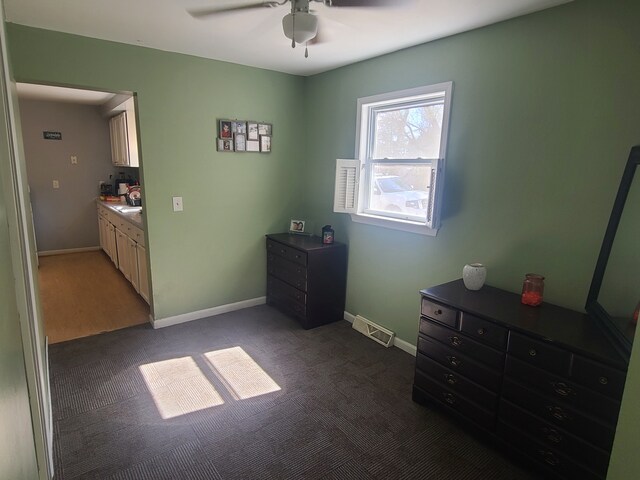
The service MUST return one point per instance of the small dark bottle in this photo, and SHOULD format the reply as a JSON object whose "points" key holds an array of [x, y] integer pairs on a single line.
{"points": [[327, 234]]}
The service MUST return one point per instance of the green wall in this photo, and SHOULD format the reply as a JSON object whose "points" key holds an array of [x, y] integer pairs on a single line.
{"points": [[544, 112], [212, 253]]}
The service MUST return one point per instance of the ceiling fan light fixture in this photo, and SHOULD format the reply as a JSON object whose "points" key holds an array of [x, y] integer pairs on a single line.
{"points": [[300, 26]]}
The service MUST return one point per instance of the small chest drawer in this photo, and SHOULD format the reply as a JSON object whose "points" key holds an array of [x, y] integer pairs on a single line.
{"points": [[456, 382], [440, 313], [582, 425], [287, 252], [281, 290], [289, 272], [487, 332], [462, 343], [460, 363], [555, 437], [540, 354], [454, 401], [561, 389], [598, 377]]}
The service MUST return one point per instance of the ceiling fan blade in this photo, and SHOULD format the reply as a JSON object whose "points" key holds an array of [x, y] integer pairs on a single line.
{"points": [[206, 12], [365, 3]]}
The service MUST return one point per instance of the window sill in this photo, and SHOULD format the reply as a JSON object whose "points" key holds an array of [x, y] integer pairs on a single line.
{"points": [[403, 225]]}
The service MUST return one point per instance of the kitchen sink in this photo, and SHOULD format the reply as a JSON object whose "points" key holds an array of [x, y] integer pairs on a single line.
{"points": [[127, 209]]}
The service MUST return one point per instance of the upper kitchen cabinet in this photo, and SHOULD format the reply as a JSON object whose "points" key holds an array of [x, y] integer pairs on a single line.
{"points": [[124, 136]]}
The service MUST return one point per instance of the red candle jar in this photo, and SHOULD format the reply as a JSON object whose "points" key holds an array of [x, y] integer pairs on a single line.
{"points": [[532, 289]]}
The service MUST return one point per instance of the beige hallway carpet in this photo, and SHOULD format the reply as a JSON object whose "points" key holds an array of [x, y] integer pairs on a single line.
{"points": [[84, 294]]}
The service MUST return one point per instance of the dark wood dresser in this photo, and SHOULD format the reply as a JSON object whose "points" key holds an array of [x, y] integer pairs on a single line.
{"points": [[541, 381], [306, 278]]}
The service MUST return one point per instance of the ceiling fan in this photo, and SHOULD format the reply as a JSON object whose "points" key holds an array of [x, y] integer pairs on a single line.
{"points": [[301, 25]]}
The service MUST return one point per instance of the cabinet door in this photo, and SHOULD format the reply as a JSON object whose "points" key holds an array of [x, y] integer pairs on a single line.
{"points": [[111, 243], [119, 140], [143, 274], [101, 232], [133, 263], [122, 246]]}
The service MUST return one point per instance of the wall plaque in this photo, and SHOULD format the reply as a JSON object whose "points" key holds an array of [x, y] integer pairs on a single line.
{"points": [[52, 135]]}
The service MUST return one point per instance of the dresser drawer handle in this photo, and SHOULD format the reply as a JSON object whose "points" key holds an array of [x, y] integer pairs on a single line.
{"points": [[549, 457], [449, 398], [558, 413], [282, 250], [455, 341], [450, 378], [552, 435], [454, 361], [562, 389], [603, 380], [481, 331], [437, 312], [533, 352]]}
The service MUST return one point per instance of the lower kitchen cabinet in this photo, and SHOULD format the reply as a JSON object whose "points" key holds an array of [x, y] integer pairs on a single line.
{"points": [[124, 243], [541, 381]]}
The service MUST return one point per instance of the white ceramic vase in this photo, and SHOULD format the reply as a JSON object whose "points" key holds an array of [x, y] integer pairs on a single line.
{"points": [[474, 275]]}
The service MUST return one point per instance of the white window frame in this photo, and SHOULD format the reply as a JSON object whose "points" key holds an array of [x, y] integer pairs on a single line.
{"points": [[351, 194]]}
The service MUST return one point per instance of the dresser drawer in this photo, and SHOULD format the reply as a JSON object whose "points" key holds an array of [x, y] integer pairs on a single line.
{"points": [[550, 458], [584, 426], [561, 389], [280, 289], [454, 401], [283, 300], [289, 272], [487, 332], [540, 354], [440, 313], [456, 382], [598, 377], [555, 437], [460, 363], [284, 251], [462, 343]]}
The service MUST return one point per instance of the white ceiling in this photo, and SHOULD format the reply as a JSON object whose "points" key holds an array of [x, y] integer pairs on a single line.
{"points": [[254, 37]]}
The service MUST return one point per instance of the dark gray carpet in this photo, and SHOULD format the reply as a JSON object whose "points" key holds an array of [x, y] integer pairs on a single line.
{"points": [[182, 403]]}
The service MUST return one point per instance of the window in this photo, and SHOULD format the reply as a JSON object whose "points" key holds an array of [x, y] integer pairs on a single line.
{"points": [[396, 180]]}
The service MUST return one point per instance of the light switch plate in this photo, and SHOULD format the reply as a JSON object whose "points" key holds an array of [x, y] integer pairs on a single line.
{"points": [[177, 204], [74, 160], [56, 184]]}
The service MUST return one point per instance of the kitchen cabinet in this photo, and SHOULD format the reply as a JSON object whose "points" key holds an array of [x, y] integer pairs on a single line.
{"points": [[542, 381], [123, 241], [124, 137]]}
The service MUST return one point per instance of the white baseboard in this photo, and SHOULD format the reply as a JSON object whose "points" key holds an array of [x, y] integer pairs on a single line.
{"points": [[46, 253], [208, 312], [401, 344]]}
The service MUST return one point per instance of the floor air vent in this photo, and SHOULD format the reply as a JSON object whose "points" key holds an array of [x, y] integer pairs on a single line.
{"points": [[373, 331]]}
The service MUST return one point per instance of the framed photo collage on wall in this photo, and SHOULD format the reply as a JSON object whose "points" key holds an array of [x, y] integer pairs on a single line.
{"points": [[244, 136]]}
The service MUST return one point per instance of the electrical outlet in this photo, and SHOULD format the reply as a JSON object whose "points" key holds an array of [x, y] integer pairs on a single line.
{"points": [[56, 184], [74, 160], [177, 204]]}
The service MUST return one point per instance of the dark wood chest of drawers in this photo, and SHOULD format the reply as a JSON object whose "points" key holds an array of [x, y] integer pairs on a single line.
{"points": [[306, 278], [542, 381]]}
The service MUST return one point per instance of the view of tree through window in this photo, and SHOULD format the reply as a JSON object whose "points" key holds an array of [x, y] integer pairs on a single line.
{"points": [[406, 133]]}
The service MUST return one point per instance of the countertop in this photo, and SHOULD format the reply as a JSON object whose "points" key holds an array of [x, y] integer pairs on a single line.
{"points": [[127, 212]]}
